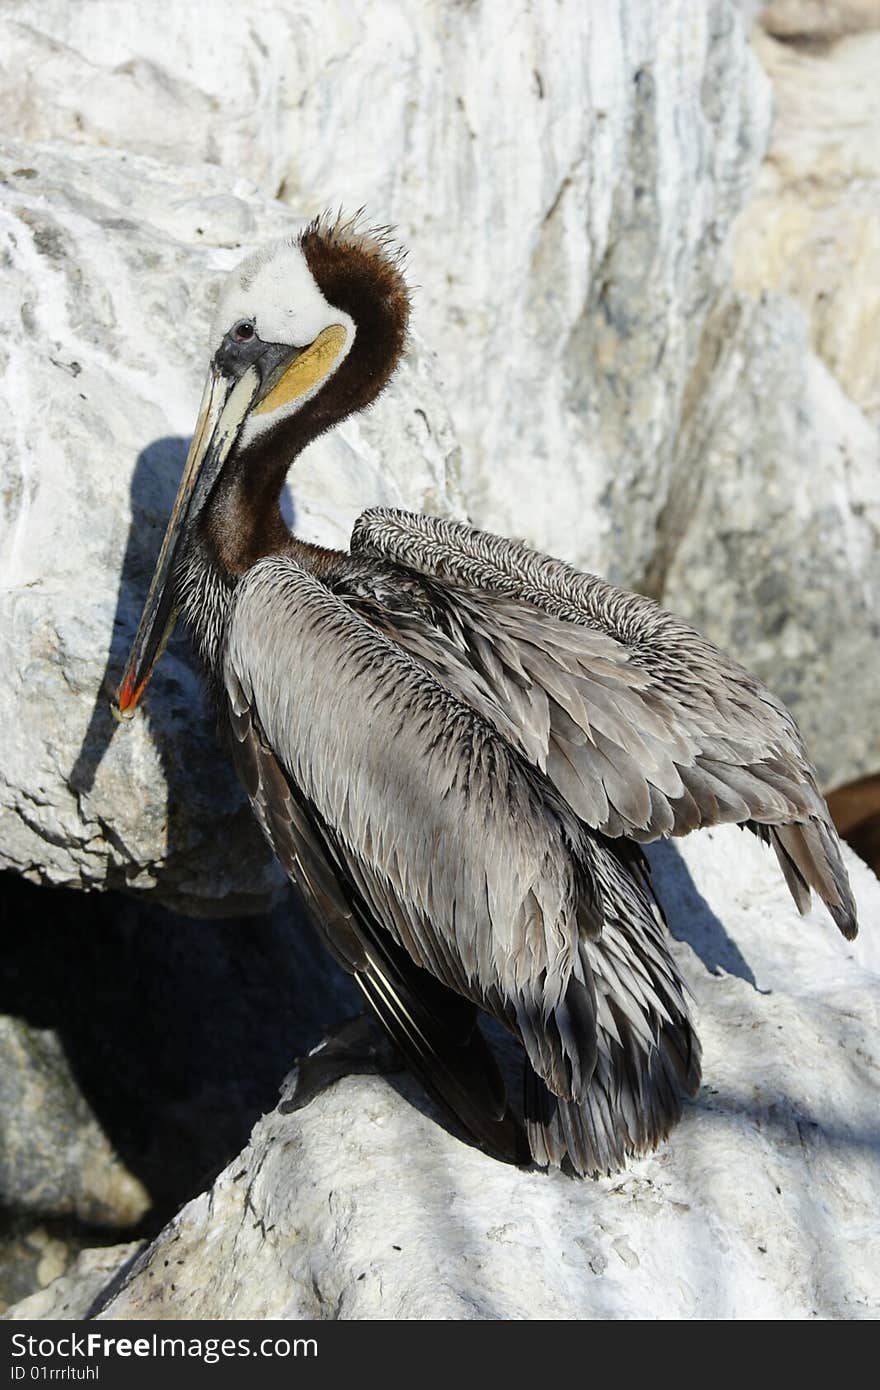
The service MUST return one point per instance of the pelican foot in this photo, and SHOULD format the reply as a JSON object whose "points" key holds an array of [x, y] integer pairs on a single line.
{"points": [[358, 1047]]}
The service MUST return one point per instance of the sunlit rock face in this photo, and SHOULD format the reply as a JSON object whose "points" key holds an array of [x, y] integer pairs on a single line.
{"points": [[594, 381], [565, 203], [807, 249], [812, 228]]}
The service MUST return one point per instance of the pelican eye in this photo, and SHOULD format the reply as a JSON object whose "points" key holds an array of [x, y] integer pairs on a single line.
{"points": [[244, 331]]}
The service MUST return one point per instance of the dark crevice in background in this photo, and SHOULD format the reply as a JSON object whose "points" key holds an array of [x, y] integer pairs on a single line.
{"points": [[855, 810], [178, 1031]]}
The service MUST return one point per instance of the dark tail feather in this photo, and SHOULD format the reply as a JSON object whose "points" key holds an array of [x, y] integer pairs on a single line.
{"points": [[809, 856], [648, 1052], [436, 1030], [624, 1114]]}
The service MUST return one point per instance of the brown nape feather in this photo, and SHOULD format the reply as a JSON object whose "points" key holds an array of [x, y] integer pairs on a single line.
{"points": [[359, 270]]}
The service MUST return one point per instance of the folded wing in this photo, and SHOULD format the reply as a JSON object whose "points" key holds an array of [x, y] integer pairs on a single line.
{"points": [[644, 727]]}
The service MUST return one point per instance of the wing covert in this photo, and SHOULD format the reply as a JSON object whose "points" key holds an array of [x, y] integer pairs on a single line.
{"points": [[645, 728]]}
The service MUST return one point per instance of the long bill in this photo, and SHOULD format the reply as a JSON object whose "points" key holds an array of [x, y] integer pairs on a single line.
{"points": [[221, 415], [278, 375]]}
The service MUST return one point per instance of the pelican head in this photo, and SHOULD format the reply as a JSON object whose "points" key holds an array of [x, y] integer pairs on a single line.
{"points": [[307, 330]]}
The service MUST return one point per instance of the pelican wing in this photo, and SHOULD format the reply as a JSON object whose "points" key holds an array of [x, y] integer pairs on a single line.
{"points": [[420, 837], [644, 727]]}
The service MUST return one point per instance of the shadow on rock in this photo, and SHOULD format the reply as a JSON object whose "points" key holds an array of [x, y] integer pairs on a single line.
{"points": [[153, 488], [205, 805], [689, 916]]}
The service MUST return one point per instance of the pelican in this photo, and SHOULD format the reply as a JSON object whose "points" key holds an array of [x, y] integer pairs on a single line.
{"points": [[455, 745]]}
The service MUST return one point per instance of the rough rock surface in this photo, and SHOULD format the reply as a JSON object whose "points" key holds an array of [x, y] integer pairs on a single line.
{"points": [[111, 265], [55, 1158], [763, 1205], [775, 562], [812, 227], [72, 1295], [804, 444], [565, 217]]}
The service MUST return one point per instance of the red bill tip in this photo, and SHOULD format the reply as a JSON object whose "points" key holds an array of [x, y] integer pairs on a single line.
{"points": [[127, 697]]}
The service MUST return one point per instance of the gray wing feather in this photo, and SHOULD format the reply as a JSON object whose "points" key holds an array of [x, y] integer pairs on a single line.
{"points": [[472, 864], [645, 728], [435, 1028]]}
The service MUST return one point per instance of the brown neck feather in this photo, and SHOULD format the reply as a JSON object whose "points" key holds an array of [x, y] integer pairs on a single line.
{"points": [[242, 522]]}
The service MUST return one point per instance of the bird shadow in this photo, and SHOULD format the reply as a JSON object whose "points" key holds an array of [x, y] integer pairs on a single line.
{"points": [[153, 487], [154, 483], [690, 918], [177, 713]]}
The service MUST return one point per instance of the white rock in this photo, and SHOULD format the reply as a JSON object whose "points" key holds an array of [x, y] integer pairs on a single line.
{"points": [[791, 484], [763, 1205], [764, 546], [812, 229], [564, 200], [112, 265], [56, 1161]]}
